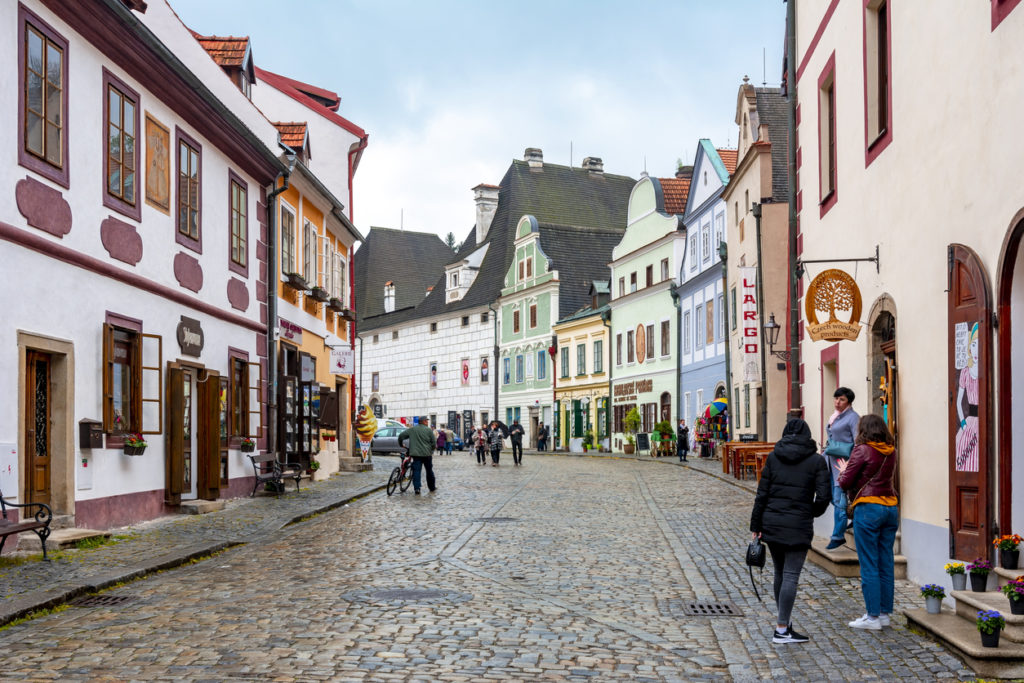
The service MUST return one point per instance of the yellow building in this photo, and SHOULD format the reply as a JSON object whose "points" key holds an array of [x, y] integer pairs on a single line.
{"points": [[582, 364]]}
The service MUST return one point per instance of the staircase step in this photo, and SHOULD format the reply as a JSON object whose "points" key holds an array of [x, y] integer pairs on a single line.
{"points": [[968, 603], [1005, 576], [59, 539], [843, 561], [354, 465], [201, 507], [963, 638], [62, 522]]}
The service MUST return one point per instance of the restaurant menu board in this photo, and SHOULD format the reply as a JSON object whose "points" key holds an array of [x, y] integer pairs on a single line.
{"points": [[643, 442], [289, 409]]}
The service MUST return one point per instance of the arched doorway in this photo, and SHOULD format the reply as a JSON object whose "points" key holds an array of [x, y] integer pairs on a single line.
{"points": [[1010, 304], [882, 369], [969, 366], [666, 407]]}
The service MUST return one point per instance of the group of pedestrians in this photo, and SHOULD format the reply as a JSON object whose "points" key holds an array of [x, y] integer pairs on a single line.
{"points": [[491, 439], [799, 482]]}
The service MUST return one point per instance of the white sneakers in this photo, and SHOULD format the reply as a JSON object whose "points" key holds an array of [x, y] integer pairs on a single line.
{"points": [[869, 623]]}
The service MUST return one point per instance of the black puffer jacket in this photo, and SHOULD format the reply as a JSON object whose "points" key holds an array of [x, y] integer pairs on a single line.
{"points": [[795, 488]]}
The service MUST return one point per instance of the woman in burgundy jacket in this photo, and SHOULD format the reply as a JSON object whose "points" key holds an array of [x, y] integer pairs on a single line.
{"points": [[868, 480]]}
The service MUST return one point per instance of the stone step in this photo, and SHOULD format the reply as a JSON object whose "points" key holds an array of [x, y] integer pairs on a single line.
{"points": [[62, 522], [201, 507], [963, 638], [354, 465], [1005, 576], [843, 561], [968, 603], [59, 539]]}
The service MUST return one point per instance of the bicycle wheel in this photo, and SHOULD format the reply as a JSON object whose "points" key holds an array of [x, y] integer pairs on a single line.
{"points": [[407, 479], [396, 475]]}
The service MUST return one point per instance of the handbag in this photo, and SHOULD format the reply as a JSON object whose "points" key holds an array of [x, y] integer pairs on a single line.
{"points": [[838, 449], [756, 557]]}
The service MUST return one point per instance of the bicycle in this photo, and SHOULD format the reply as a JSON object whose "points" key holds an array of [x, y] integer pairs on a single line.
{"points": [[401, 476]]}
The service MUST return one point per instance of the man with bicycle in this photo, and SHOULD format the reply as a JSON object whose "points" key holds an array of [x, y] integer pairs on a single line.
{"points": [[421, 449]]}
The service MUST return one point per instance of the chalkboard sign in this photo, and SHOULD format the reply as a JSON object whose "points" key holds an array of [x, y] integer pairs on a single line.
{"points": [[748, 437], [643, 442]]}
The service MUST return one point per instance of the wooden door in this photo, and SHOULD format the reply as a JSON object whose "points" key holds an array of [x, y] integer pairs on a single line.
{"points": [[208, 442], [969, 362], [175, 470], [37, 427]]}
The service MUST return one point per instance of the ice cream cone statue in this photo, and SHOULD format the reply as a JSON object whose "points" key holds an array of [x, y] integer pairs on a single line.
{"points": [[366, 427]]}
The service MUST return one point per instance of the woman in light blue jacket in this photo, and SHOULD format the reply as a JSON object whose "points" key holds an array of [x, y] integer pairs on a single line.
{"points": [[842, 431]]}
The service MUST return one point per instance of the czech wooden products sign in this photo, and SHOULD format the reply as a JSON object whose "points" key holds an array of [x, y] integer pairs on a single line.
{"points": [[832, 291]]}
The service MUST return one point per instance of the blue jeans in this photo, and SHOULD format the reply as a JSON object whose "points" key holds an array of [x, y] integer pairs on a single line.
{"points": [[838, 512], [874, 529], [417, 464]]}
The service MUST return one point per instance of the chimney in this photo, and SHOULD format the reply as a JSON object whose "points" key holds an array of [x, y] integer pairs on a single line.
{"points": [[486, 198], [684, 172], [534, 157], [594, 165]]}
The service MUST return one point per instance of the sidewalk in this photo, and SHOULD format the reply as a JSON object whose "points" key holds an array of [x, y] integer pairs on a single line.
{"points": [[170, 542]]}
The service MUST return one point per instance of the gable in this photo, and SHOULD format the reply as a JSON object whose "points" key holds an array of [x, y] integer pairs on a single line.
{"points": [[709, 176], [647, 221]]}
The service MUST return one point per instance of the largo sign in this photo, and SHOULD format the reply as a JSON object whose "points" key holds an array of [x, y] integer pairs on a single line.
{"points": [[751, 326], [831, 291]]}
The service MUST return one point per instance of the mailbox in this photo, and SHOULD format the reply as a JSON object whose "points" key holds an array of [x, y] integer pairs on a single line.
{"points": [[90, 434]]}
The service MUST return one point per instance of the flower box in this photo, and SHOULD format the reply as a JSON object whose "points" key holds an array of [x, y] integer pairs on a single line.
{"points": [[296, 281], [336, 304], [320, 294], [134, 444], [134, 450], [348, 314]]}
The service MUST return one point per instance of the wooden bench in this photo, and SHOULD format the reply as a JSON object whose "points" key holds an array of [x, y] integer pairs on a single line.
{"points": [[38, 523], [275, 473]]}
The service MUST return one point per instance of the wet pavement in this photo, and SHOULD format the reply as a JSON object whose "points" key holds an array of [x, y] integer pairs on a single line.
{"points": [[568, 568]]}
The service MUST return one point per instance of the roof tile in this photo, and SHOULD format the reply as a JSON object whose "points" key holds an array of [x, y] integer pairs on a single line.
{"points": [[293, 133], [675, 191], [728, 157], [225, 50]]}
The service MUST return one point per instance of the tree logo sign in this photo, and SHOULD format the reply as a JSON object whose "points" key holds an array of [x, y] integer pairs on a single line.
{"points": [[830, 292]]}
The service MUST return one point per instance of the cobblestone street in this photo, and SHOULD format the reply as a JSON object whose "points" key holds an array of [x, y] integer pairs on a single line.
{"points": [[563, 569]]}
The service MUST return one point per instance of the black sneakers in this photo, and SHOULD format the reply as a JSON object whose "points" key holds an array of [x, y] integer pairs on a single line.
{"points": [[790, 636]]}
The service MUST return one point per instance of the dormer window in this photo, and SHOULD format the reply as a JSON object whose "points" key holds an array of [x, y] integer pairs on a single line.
{"points": [[389, 297], [455, 281], [244, 84]]}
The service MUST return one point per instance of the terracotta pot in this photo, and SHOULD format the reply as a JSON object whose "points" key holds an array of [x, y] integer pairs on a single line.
{"points": [[629, 449], [990, 639], [1008, 559], [979, 582]]}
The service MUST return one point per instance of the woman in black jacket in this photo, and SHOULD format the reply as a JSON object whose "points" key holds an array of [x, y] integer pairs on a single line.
{"points": [[795, 488]]}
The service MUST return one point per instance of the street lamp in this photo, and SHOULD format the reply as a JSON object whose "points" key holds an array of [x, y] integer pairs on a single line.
{"points": [[772, 330]]}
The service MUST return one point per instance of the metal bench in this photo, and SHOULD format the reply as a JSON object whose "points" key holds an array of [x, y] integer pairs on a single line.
{"points": [[276, 473], [38, 523]]}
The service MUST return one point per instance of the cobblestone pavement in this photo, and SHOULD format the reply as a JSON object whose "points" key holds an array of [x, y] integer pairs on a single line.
{"points": [[563, 569]]}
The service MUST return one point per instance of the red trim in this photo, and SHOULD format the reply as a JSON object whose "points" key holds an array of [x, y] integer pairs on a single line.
{"points": [[1000, 10], [817, 36], [1004, 370], [232, 265], [123, 321], [59, 252], [62, 175], [292, 89], [184, 240], [133, 211], [827, 201], [874, 147]]}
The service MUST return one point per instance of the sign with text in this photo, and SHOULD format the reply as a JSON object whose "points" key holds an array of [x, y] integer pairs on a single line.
{"points": [[290, 331], [190, 337], [750, 327], [343, 361], [628, 391], [833, 290]]}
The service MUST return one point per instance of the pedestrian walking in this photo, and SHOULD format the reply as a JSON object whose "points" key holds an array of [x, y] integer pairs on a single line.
{"points": [[495, 440], [442, 441], [868, 479], [449, 441], [480, 445], [542, 437], [842, 428], [421, 449], [516, 433], [682, 440], [793, 490]]}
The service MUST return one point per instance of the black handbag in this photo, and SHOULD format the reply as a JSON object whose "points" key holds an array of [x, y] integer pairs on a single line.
{"points": [[757, 556]]}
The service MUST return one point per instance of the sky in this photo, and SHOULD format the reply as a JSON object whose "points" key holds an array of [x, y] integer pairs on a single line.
{"points": [[450, 92]]}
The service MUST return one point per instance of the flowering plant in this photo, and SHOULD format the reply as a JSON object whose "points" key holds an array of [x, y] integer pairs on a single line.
{"points": [[954, 568], [990, 621], [248, 442], [1007, 542], [980, 566], [134, 441], [933, 590], [1015, 589]]}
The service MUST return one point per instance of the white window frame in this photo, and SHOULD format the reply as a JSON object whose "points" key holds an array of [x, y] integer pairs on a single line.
{"points": [[686, 332], [705, 234], [694, 255], [310, 241], [288, 267], [699, 330]]}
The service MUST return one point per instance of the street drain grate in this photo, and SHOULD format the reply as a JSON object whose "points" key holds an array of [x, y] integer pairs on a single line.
{"points": [[496, 519], [711, 609], [103, 600], [416, 596]]}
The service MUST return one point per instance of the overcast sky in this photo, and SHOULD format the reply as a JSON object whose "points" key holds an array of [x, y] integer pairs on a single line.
{"points": [[451, 91]]}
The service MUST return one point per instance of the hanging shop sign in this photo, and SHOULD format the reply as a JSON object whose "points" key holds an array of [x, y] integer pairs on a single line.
{"points": [[343, 360], [833, 291], [190, 337], [751, 327]]}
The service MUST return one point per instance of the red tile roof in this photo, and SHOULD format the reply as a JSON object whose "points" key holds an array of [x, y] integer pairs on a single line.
{"points": [[293, 133], [728, 157], [675, 191], [227, 50]]}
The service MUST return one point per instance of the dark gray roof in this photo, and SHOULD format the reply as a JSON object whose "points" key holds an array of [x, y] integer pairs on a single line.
{"points": [[554, 194], [584, 312], [412, 260], [772, 109], [580, 255]]}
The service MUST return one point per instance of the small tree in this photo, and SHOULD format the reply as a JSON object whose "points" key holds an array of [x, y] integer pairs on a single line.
{"points": [[449, 239], [630, 425]]}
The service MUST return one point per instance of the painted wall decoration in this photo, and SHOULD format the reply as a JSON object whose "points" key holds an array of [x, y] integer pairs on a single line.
{"points": [[484, 370], [158, 164], [465, 372], [965, 343], [433, 374]]}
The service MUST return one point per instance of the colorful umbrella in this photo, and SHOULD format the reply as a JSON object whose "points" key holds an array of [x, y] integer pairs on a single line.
{"points": [[716, 407]]}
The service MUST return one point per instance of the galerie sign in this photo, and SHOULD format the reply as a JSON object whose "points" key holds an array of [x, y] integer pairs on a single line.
{"points": [[831, 291], [343, 361], [750, 328]]}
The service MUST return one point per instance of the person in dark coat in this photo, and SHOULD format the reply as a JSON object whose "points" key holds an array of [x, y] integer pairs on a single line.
{"points": [[795, 488], [516, 432], [682, 440]]}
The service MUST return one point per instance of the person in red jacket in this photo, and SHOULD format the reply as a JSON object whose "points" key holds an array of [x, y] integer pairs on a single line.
{"points": [[868, 479]]}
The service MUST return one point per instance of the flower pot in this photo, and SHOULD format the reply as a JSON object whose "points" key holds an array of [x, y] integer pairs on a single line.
{"points": [[134, 450], [1016, 606], [979, 582], [248, 447], [1008, 559], [990, 639], [959, 581], [933, 604], [629, 449]]}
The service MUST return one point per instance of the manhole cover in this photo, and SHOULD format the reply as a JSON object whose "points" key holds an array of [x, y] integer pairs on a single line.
{"points": [[711, 609], [495, 519], [419, 596], [103, 600]]}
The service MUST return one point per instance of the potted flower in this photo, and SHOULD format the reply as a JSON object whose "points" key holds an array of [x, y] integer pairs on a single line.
{"points": [[314, 465], [320, 294], [1009, 550], [248, 445], [630, 425], [990, 623], [933, 595], [588, 441], [134, 444], [1014, 590], [979, 570], [957, 574]]}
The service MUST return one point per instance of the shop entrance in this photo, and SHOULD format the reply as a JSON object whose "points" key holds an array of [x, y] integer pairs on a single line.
{"points": [[1011, 374], [37, 427], [193, 433]]}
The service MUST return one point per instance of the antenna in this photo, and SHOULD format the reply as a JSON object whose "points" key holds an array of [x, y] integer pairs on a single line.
{"points": [[764, 66], [401, 220], [570, 153], [645, 163]]}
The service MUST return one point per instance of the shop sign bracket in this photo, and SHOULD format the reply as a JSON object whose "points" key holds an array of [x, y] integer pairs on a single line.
{"points": [[800, 262]]}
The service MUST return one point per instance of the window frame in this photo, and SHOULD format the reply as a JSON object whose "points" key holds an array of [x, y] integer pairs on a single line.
{"points": [[698, 327], [687, 318], [694, 254], [288, 245], [59, 174], [506, 370], [520, 369], [828, 166], [131, 209], [649, 339], [705, 236], [541, 366], [581, 359], [622, 286], [618, 348], [877, 132], [598, 356], [515, 321], [630, 349], [238, 396], [138, 368], [649, 275], [533, 316], [665, 274], [310, 252], [243, 232], [632, 282], [564, 358], [666, 338], [187, 241]]}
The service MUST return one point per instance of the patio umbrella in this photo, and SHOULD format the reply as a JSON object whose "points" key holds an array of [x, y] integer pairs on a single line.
{"points": [[716, 407]]}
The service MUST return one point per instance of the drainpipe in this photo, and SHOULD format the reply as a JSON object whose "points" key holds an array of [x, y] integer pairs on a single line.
{"points": [[606, 321], [723, 255], [360, 371], [497, 363], [273, 277], [755, 209], [794, 279], [674, 291]]}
